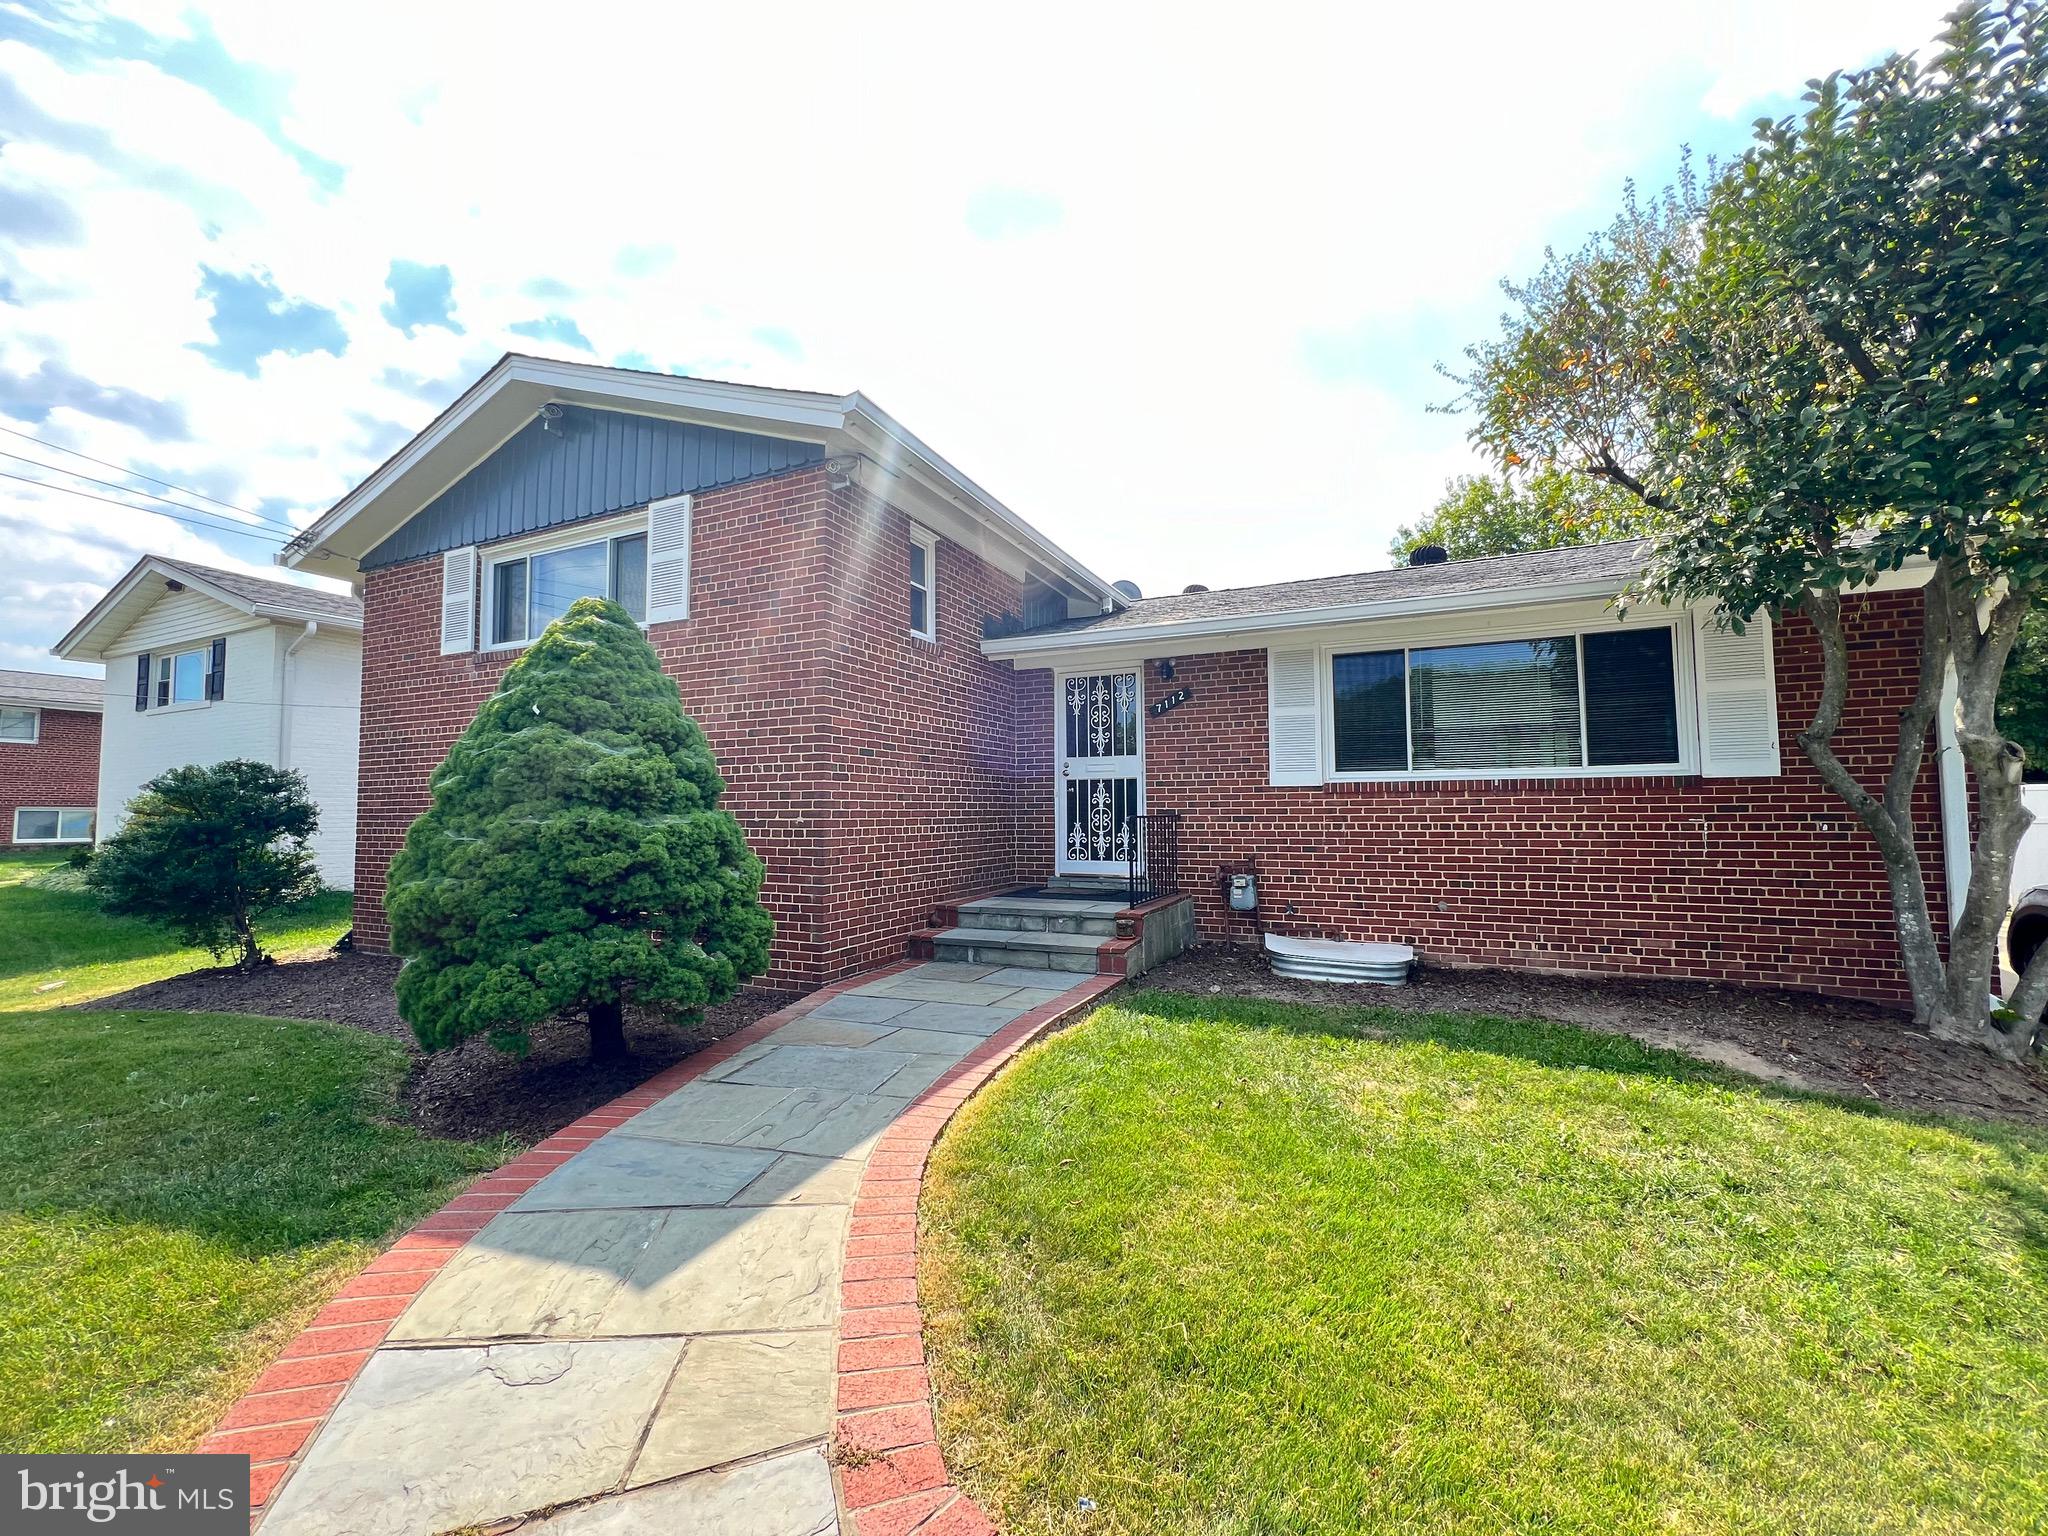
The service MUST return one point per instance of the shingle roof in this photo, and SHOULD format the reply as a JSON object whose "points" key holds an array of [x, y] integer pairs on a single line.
{"points": [[56, 690], [1619, 563], [315, 601]]}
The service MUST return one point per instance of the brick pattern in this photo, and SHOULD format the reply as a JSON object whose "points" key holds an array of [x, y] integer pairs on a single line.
{"points": [[1764, 882], [277, 1418], [891, 1474], [873, 771], [61, 768]]}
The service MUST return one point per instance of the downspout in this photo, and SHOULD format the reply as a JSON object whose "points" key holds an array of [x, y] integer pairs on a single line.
{"points": [[1955, 802], [284, 692]]}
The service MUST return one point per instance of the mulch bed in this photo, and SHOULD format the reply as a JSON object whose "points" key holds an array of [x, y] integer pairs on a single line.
{"points": [[475, 1091], [1856, 1050]]}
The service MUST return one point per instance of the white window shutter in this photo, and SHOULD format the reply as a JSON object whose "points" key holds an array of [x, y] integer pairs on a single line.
{"points": [[668, 559], [458, 600], [1738, 697], [1294, 742]]}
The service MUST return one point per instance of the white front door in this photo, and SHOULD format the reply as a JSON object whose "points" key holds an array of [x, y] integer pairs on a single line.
{"points": [[1099, 759]]}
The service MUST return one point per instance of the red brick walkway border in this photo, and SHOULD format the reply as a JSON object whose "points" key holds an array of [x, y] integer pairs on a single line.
{"points": [[895, 1481], [284, 1407]]}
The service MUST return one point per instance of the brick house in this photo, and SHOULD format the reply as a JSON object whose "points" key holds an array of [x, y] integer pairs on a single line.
{"points": [[204, 665], [922, 706], [49, 758]]}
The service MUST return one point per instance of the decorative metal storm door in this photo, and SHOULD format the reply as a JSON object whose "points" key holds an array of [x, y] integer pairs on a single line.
{"points": [[1098, 750]]}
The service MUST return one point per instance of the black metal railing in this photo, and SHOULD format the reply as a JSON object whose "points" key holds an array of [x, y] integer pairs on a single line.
{"points": [[1155, 856]]}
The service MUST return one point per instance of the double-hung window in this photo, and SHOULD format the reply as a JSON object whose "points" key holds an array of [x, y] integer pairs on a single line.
{"points": [[1601, 699], [22, 726], [924, 566], [180, 678], [530, 591]]}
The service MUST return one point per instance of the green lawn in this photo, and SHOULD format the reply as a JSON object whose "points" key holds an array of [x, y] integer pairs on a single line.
{"points": [[1225, 1266], [61, 937], [178, 1191]]}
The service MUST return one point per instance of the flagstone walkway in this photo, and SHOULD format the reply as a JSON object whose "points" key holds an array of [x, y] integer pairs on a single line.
{"points": [[648, 1333]]}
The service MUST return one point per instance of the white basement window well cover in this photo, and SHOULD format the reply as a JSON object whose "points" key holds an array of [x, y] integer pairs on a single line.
{"points": [[52, 824]]}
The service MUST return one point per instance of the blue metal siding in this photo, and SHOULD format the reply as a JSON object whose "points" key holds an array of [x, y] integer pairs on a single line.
{"points": [[601, 461]]}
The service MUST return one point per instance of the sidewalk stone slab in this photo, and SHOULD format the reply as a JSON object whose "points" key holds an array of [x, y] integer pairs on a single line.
{"points": [[735, 1271], [796, 1114], [820, 1066], [780, 1496], [706, 1112], [918, 1074], [634, 1171], [861, 1008], [963, 1018], [848, 1131], [931, 1042], [942, 991], [815, 1030], [739, 1395], [540, 1274], [793, 1179], [505, 1429]]}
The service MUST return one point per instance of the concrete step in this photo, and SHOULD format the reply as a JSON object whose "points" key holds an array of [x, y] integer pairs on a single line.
{"points": [[1033, 950], [1029, 915]]}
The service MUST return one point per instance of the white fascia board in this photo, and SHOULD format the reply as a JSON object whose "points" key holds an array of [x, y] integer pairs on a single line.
{"points": [[900, 452], [81, 641], [1149, 638], [1145, 641]]}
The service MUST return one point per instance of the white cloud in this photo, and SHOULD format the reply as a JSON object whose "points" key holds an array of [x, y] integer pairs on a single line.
{"points": [[1203, 356]]}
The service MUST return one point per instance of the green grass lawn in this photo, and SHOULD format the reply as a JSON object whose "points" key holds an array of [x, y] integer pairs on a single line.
{"points": [[62, 937], [1226, 1266], [178, 1191]]}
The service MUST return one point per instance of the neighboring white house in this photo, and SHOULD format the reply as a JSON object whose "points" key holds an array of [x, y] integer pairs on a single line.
{"points": [[205, 665]]}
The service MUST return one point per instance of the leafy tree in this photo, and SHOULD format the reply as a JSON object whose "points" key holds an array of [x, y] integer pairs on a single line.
{"points": [[574, 855], [1839, 369], [2023, 696], [1507, 514], [204, 851]]}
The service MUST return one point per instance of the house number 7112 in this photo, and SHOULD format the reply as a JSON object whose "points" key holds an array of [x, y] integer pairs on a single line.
{"points": [[1173, 700]]}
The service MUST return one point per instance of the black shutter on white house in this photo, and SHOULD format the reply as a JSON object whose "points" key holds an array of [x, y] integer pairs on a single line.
{"points": [[1738, 697], [458, 600], [217, 670], [142, 681]]}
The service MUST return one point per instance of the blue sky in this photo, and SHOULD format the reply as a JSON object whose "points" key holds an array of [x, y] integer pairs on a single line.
{"points": [[1175, 293]]}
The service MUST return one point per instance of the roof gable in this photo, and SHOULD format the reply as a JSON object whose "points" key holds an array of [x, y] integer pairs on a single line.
{"points": [[149, 580], [585, 463]]}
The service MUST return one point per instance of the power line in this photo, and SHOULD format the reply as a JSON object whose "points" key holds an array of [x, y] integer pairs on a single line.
{"points": [[129, 506], [30, 437], [58, 469]]}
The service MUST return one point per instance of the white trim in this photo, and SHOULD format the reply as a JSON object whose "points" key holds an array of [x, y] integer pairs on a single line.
{"points": [[35, 731], [60, 812], [1061, 864], [505, 398], [591, 530], [1095, 648], [159, 661], [926, 540], [1682, 684], [77, 644]]}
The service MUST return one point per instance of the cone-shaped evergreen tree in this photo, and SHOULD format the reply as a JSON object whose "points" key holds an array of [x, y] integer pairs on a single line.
{"points": [[574, 856]]}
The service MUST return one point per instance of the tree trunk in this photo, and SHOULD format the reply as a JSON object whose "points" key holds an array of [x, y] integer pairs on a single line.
{"points": [[249, 954], [607, 1031], [1951, 998]]}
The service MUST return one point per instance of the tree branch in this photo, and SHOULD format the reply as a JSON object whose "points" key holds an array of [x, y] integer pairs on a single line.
{"points": [[1918, 715], [1604, 466]]}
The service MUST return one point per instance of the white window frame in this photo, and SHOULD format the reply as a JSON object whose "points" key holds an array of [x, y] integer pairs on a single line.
{"points": [[927, 541], [158, 661], [589, 531], [60, 812], [35, 726], [1681, 664]]}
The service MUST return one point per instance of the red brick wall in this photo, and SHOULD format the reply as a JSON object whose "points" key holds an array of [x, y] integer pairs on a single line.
{"points": [[62, 769], [872, 771], [1758, 881]]}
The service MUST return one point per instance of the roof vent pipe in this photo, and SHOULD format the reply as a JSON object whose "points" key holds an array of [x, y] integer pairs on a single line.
{"points": [[1428, 554]]}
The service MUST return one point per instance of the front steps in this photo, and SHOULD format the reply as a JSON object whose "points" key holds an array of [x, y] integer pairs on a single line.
{"points": [[1089, 930]]}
